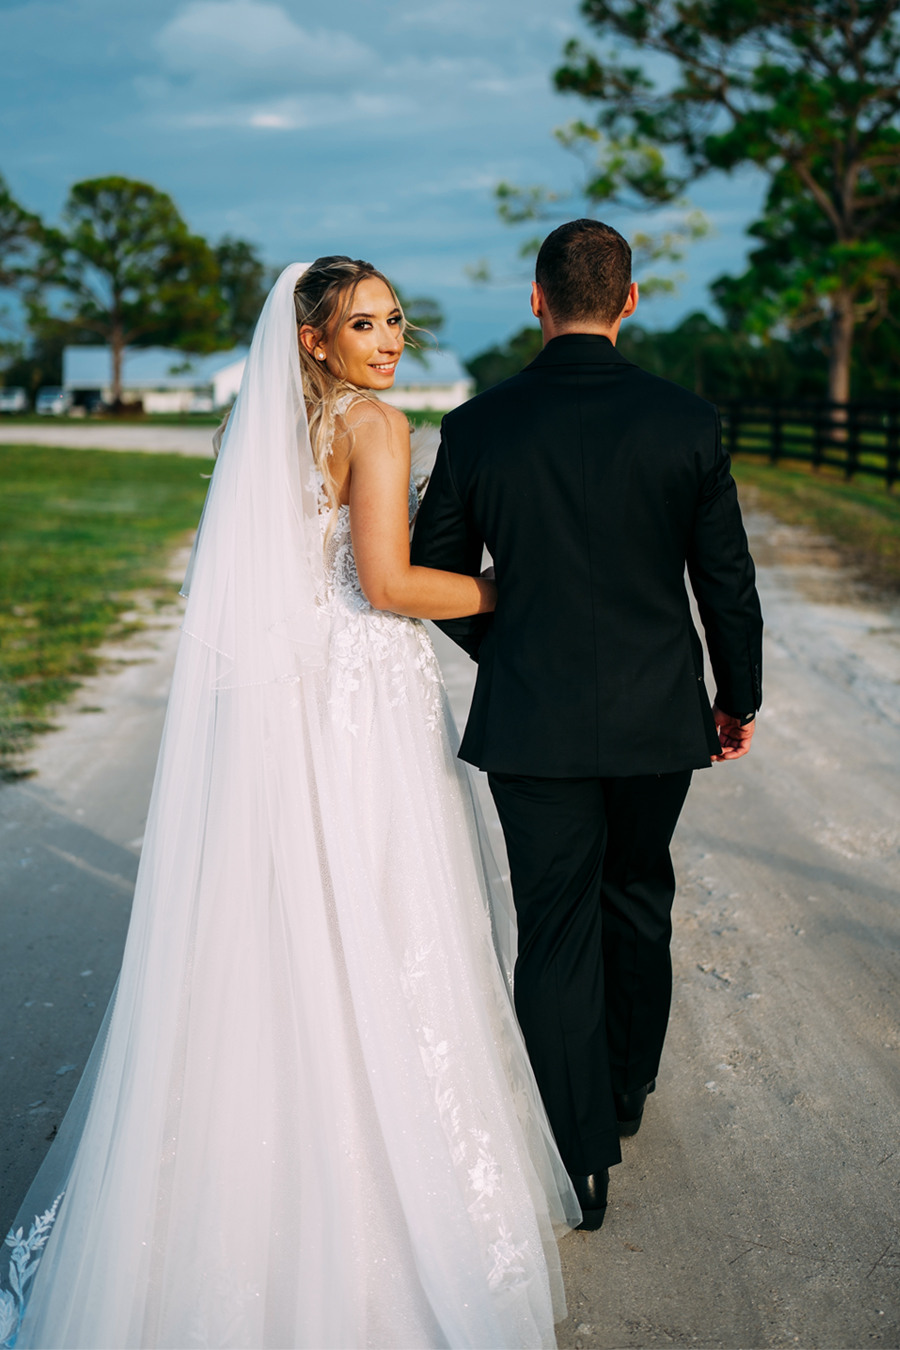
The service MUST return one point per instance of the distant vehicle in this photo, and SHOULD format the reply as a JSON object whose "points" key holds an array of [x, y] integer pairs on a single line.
{"points": [[87, 403], [13, 400], [52, 401]]}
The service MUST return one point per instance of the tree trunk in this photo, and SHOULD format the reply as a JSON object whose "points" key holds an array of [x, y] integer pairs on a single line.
{"points": [[843, 322], [117, 346]]}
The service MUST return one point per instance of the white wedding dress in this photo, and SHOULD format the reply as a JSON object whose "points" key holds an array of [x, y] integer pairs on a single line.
{"points": [[310, 1119]]}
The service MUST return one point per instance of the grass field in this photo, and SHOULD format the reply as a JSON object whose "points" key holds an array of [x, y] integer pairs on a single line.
{"points": [[861, 516], [80, 530]]}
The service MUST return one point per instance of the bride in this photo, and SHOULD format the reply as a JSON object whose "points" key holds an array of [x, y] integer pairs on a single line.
{"points": [[309, 1119]]}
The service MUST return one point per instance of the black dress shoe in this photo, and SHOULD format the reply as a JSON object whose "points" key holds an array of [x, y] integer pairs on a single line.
{"points": [[630, 1108], [592, 1192]]}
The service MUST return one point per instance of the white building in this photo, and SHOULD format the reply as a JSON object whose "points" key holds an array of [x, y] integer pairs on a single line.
{"points": [[168, 381], [441, 383], [164, 380]]}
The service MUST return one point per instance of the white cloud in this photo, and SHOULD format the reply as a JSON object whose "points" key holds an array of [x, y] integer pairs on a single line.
{"points": [[246, 63], [231, 41], [272, 121]]}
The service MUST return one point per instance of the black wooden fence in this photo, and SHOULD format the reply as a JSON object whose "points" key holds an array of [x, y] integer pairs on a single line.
{"points": [[854, 437]]}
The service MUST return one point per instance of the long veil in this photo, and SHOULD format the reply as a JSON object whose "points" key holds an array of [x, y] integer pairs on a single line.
{"points": [[248, 969]]}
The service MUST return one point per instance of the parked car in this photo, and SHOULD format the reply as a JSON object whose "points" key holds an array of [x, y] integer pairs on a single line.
{"points": [[52, 401], [13, 400]]}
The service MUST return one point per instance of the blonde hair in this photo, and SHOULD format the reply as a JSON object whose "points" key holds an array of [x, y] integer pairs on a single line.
{"points": [[323, 298]]}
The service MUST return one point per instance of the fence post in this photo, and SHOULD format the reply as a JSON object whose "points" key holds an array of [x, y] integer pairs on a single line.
{"points": [[892, 446], [852, 464], [775, 440], [817, 445]]}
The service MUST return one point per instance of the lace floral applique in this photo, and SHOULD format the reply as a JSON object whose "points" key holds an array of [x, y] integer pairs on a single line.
{"points": [[367, 643], [484, 1177], [507, 1270], [23, 1265], [414, 969]]}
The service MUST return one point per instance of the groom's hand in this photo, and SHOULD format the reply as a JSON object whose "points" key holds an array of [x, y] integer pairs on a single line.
{"points": [[733, 738]]}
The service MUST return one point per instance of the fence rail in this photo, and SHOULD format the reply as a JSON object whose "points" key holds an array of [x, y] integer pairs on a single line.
{"points": [[854, 437]]}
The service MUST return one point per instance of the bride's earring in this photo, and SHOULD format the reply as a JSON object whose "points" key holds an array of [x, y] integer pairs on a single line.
{"points": [[320, 356]]}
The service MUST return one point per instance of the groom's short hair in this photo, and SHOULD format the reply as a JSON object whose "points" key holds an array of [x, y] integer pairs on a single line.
{"points": [[584, 270]]}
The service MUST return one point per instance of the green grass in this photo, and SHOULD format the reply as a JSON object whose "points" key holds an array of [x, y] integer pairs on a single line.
{"points": [[425, 416], [80, 531], [861, 516]]}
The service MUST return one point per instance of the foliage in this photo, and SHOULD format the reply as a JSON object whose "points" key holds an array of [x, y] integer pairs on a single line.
{"points": [[717, 361], [19, 235], [129, 271], [669, 245], [79, 531], [39, 361], [698, 353], [506, 359], [720, 364], [425, 319], [809, 94], [244, 281]]}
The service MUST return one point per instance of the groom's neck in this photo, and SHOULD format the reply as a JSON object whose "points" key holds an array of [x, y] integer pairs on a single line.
{"points": [[550, 330]]}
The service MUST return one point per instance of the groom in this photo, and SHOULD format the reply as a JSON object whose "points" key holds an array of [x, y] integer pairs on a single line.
{"points": [[593, 485]]}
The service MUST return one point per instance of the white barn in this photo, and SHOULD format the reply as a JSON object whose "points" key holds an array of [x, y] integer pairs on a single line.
{"points": [[163, 379]]}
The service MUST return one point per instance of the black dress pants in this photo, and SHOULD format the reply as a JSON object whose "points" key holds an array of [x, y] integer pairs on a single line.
{"points": [[593, 886]]}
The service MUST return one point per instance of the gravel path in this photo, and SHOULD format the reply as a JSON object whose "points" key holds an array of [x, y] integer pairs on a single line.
{"points": [[758, 1206], [99, 436]]}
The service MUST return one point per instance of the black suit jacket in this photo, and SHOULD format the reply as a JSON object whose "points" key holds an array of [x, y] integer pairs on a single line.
{"points": [[592, 484]]}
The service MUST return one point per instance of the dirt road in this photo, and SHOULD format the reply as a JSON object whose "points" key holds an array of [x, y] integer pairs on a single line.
{"points": [[760, 1203], [100, 436]]}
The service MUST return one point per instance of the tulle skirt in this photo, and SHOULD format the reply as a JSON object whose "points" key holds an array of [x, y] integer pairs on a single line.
{"points": [[309, 1120]]}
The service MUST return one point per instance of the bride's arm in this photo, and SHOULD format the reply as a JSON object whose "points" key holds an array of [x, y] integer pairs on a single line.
{"points": [[379, 525]]}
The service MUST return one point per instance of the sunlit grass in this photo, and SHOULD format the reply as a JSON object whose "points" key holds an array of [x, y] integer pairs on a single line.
{"points": [[861, 516], [80, 531]]}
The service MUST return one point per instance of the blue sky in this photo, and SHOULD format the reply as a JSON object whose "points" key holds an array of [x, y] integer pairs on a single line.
{"points": [[371, 127]]}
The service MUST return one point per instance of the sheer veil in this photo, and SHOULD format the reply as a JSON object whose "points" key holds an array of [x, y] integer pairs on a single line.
{"points": [[254, 1012], [256, 570]]}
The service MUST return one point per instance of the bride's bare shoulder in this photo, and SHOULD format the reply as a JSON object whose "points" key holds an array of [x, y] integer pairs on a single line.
{"points": [[376, 425]]}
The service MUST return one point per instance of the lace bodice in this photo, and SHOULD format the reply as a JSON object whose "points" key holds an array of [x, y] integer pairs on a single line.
{"points": [[340, 562], [367, 644]]}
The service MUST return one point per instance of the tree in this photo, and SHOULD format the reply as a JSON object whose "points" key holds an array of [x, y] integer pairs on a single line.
{"points": [[426, 320], [700, 354], [808, 92], [129, 270], [505, 359], [244, 281], [20, 234]]}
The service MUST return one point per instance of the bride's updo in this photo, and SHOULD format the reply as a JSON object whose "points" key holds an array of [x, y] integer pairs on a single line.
{"points": [[323, 299]]}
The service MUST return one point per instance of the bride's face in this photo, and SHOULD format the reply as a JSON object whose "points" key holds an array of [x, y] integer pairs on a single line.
{"points": [[366, 347]]}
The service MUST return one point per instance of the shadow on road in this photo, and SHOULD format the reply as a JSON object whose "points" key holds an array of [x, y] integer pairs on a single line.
{"points": [[65, 898]]}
